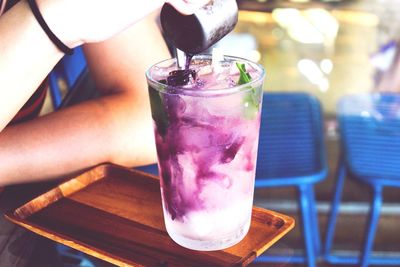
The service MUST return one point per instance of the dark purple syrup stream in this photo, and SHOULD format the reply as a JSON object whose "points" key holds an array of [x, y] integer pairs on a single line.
{"points": [[182, 77]]}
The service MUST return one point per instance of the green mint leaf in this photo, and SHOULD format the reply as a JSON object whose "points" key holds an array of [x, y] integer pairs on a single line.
{"points": [[251, 104], [251, 100], [158, 112], [244, 75]]}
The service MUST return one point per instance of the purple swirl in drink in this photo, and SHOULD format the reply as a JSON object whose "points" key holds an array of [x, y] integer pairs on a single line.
{"points": [[206, 129]]}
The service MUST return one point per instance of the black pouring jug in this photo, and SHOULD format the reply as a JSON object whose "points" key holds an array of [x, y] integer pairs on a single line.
{"points": [[196, 33]]}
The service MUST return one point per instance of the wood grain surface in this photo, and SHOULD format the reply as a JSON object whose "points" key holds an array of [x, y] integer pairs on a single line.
{"points": [[115, 214]]}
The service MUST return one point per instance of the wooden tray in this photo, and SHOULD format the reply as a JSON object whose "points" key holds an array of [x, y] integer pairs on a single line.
{"points": [[115, 214]]}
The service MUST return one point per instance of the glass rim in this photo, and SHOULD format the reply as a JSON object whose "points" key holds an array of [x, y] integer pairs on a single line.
{"points": [[194, 91]]}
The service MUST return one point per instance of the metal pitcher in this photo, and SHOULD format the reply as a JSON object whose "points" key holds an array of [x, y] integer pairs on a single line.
{"points": [[195, 33]]}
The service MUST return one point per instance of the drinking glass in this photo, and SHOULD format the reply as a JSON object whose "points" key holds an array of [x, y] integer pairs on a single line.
{"points": [[207, 137]]}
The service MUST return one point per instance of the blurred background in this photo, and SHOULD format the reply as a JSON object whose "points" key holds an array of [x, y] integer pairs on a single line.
{"points": [[327, 48], [324, 47]]}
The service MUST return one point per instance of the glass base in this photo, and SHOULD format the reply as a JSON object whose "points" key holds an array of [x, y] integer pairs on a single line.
{"points": [[210, 245]]}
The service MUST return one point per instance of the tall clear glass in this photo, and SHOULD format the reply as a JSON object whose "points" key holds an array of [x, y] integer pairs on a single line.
{"points": [[207, 137]]}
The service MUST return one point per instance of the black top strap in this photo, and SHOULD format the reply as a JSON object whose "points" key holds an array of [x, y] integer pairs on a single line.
{"points": [[57, 42]]}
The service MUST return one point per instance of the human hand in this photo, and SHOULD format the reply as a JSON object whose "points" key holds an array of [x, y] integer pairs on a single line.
{"points": [[187, 7], [84, 21]]}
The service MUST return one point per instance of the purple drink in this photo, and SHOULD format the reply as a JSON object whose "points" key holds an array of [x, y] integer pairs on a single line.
{"points": [[207, 137]]}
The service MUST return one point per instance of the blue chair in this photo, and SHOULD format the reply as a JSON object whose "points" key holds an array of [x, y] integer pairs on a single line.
{"points": [[67, 72], [370, 151], [291, 153], [73, 258], [151, 168]]}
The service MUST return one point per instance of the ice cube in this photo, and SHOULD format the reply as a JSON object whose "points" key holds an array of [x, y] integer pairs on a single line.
{"points": [[217, 58], [205, 70]]}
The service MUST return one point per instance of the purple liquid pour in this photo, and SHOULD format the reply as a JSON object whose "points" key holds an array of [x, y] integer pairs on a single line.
{"points": [[207, 144], [182, 77], [205, 153], [188, 60]]}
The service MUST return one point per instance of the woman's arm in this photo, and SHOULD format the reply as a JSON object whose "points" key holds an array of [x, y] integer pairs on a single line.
{"points": [[116, 127], [27, 56], [118, 67]]}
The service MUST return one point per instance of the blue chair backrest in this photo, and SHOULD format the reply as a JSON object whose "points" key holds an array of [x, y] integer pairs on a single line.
{"points": [[370, 131], [69, 69], [291, 140], [74, 65]]}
